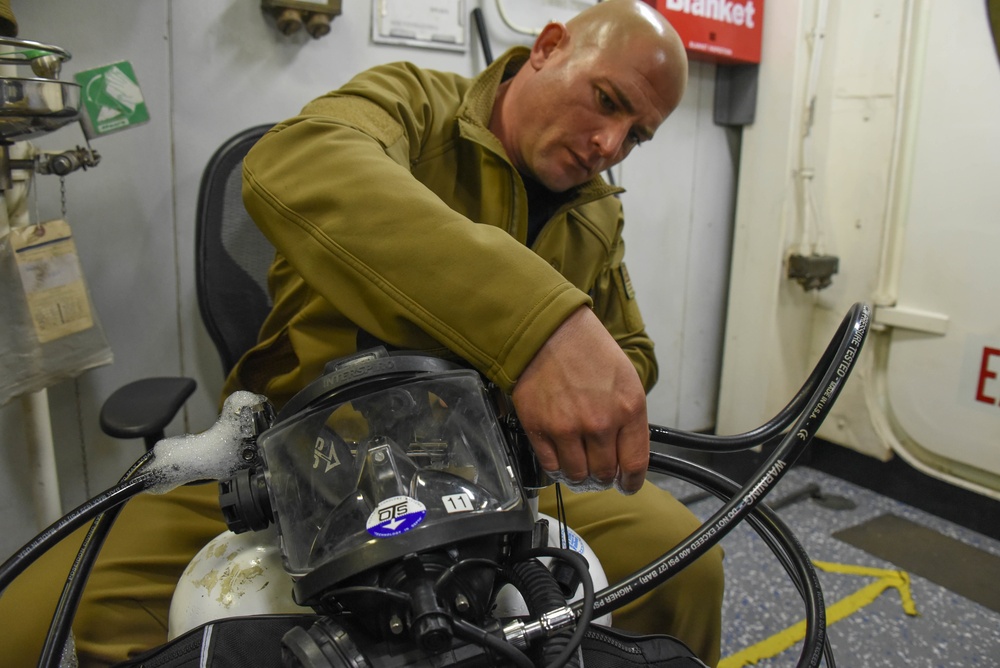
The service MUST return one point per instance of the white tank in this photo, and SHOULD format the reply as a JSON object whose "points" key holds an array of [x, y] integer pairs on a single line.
{"points": [[232, 576], [242, 574], [509, 601]]}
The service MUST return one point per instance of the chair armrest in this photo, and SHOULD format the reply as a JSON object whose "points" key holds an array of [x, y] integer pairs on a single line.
{"points": [[144, 408]]}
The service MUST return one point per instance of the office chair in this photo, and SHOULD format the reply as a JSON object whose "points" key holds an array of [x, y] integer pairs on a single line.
{"points": [[232, 258]]}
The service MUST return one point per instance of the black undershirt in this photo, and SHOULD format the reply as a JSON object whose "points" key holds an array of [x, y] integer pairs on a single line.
{"points": [[542, 204]]}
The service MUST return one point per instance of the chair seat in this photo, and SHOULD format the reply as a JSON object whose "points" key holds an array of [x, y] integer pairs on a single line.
{"points": [[144, 408]]}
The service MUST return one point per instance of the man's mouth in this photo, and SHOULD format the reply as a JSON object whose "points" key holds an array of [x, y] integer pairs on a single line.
{"points": [[583, 164]]}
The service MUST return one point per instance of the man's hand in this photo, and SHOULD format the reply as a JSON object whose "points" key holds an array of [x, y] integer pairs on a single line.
{"points": [[583, 407]]}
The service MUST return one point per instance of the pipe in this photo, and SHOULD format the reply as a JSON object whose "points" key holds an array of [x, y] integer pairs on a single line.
{"points": [[35, 405], [41, 451]]}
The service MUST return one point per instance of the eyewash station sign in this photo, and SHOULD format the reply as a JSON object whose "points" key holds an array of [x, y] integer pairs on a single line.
{"points": [[111, 99]]}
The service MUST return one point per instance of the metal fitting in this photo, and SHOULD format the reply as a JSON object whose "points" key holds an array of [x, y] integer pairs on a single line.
{"points": [[521, 635]]}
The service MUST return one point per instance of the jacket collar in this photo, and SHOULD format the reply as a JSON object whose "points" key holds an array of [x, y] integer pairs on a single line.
{"points": [[477, 108]]}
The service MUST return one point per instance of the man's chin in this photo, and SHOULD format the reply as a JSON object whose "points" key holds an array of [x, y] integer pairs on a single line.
{"points": [[562, 183]]}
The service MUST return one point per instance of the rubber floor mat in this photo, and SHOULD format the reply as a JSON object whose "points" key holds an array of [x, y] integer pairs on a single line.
{"points": [[950, 563]]}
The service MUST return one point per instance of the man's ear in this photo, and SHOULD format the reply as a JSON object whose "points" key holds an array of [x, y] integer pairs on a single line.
{"points": [[553, 36]]}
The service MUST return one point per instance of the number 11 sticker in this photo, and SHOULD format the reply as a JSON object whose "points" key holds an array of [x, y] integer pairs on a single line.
{"points": [[457, 503]]}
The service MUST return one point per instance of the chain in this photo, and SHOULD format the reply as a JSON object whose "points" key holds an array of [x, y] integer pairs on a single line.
{"points": [[62, 195], [33, 189]]}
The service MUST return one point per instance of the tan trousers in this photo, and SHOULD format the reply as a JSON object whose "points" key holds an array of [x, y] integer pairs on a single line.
{"points": [[124, 609]]}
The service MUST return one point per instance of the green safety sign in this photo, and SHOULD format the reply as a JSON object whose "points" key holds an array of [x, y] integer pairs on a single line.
{"points": [[111, 99]]}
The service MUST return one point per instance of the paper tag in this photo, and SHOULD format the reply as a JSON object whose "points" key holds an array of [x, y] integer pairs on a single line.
{"points": [[52, 280]]}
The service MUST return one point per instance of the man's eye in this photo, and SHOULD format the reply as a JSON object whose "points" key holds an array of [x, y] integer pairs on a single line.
{"points": [[606, 102]]}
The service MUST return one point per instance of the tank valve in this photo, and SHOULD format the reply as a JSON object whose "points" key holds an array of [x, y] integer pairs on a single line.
{"points": [[67, 162]]}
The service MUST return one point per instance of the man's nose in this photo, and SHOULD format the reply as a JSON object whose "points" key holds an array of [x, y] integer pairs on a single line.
{"points": [[610, 140]]}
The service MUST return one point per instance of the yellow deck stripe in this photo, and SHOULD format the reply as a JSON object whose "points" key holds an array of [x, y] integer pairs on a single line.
{"points": [[845, 607]]}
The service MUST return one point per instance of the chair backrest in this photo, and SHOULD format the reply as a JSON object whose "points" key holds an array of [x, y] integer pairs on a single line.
{"points": [[232, 255]]}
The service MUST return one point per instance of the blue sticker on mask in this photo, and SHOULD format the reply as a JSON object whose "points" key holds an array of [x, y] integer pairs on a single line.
{"points": [[396, 516]]}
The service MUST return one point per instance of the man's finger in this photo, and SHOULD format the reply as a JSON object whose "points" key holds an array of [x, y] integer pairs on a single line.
{"points": [[572, 459], [633, 456], [545, 451], [602, 458]]}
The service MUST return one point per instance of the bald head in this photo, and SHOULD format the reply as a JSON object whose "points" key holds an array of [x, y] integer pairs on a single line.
{"points": [[592, 90], [631, 30]]}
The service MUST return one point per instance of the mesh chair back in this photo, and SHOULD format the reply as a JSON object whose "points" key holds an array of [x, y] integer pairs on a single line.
{"points": [[232, 255]]}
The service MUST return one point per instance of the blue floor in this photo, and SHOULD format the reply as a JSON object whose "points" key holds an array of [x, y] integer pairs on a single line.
{"points": [[947, 631]]}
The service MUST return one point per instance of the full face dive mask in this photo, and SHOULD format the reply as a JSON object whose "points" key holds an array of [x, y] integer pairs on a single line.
{"points": [[389, 470]]}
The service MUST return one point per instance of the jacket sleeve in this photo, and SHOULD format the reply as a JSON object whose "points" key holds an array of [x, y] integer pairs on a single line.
{"points": [[615, 304], [333, 191]]}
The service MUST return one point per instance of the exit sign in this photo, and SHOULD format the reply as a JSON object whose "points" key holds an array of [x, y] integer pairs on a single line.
{"points": [[987, 387]]}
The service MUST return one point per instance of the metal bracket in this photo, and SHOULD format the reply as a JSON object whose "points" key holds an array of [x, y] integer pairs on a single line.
{"points": [[912, 319]]}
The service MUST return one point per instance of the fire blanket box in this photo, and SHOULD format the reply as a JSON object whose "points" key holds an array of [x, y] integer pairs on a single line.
{"points": [[719, 31]]}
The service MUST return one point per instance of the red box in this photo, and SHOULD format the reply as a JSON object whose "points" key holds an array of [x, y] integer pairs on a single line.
{"points": [[720, 31]]}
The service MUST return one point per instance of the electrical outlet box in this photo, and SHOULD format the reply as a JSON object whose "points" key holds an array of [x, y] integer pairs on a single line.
{"points": [[292, 15], [433, 24], [813, 272]]}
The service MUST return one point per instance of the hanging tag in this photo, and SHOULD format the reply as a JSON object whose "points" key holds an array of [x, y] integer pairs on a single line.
{"points": [[52, 279]]}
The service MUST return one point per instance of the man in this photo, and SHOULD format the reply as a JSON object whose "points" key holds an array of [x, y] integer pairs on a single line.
{"points": [[465, 218]]}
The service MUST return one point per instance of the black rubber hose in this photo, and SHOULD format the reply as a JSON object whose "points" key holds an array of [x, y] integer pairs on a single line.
{"points": [[781, 541], [846, 345], [474, 634], [851, 334], [762, 434], [542, 594], [68, 523], [584, 611], [76, 579], [62, 618]]}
